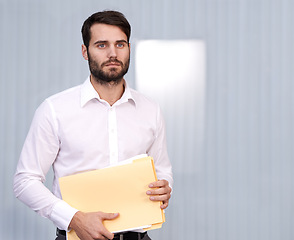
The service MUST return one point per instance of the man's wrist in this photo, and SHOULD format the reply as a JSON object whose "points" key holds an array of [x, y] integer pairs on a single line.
{"points": [[75, 220], [62, 214]]}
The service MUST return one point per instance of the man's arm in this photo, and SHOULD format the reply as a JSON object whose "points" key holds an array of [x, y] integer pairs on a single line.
{"points": [[161, 189], [38, 154]]}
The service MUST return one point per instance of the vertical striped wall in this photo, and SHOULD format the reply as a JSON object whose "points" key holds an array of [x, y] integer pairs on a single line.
{"points": [[242, 185]]}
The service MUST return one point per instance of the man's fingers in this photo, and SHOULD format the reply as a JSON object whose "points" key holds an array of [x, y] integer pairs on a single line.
{"points": [[164, 197], [159, 191], [160, 183], [107, 235], [164, 205], [90, 225], [109, 216]]}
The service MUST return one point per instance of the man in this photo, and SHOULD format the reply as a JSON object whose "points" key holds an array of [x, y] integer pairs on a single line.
{"points": [[91, 126]]}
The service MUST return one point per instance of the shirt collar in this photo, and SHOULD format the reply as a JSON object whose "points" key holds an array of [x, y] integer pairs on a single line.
{"points": [[88, 93]]}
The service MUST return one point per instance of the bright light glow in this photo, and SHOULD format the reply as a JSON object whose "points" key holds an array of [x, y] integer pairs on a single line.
{"points": [[171, 68], [172, 72]]}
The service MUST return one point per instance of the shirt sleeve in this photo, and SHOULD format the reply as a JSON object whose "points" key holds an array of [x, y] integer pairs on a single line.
{"points": [[158, 151], [38, 154]]}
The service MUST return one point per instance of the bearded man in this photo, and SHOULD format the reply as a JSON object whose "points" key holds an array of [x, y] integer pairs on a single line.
{"points": [[91, 126]]}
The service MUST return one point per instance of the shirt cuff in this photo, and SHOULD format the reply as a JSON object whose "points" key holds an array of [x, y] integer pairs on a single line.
{"points": [[62, 214]]}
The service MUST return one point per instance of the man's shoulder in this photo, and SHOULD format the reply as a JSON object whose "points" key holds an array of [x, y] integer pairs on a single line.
{"points": [[66, 94], [143, 99], [64, 101]]}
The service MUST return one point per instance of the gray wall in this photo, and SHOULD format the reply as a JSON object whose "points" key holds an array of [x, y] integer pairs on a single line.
{"points": [[242, 185]]}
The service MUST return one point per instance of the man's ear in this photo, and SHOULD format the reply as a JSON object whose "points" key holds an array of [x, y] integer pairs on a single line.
{"points": [[84, 52]]}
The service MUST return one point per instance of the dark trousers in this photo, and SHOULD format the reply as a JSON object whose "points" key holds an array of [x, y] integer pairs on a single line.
{"points": [[61, 237]]}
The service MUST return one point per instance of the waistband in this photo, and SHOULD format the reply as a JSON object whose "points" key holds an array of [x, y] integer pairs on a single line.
{"points": [[117, 236]]}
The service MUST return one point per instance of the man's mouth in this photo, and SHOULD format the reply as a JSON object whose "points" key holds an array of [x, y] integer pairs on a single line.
{"points": [[112, 63]]}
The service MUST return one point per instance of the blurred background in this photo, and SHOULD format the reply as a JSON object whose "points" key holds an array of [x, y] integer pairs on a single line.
{"points": [[233, 177]]}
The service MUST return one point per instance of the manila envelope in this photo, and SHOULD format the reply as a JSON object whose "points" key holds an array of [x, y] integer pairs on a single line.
{"points": [[119, 189]]}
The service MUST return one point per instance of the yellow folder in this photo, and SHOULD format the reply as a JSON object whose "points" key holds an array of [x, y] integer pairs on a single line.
{"points": [[119, 189]]}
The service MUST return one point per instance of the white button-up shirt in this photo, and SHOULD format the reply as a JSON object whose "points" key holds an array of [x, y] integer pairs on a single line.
{"points": [[76, 131]]}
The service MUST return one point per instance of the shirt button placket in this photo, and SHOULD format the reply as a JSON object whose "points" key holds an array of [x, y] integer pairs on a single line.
{"points": [[112, 133]]}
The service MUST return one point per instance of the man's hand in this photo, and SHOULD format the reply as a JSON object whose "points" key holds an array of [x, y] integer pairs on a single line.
{"points": [[160, 191], [89, 226]]}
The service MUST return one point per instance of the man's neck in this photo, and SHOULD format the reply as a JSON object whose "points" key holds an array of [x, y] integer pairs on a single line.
{"points": [[110, 92]]}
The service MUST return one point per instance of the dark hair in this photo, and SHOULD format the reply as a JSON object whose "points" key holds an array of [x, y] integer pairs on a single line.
{"points": [[105, 17]]}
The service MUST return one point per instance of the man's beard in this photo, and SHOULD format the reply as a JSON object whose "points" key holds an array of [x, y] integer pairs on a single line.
{"points": [[113, 75]]}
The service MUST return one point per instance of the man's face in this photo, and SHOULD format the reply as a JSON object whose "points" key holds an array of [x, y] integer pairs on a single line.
{"points": [[108, 53]]}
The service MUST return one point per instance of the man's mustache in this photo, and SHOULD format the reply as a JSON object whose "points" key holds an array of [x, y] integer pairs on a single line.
{"points": [[112, 61]]}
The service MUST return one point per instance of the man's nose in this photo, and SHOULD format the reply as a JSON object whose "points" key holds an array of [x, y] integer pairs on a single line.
{"points": [[112, 51]]}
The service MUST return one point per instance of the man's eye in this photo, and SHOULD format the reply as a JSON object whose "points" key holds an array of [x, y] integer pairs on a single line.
{"points": [[101, 45], [120, 45]]}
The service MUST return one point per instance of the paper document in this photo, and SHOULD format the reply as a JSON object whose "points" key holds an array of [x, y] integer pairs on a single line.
{"points": [[119, 189]]}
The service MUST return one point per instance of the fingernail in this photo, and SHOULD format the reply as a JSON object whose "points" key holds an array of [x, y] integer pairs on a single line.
{"points": [[152, 198], [148, 192], [150, 185]]}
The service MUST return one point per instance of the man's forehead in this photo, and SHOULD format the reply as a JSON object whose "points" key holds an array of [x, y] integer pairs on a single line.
{"points": [[106, 32]]}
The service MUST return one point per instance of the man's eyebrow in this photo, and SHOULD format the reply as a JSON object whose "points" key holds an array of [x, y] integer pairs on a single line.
{"points": [[100, 41], [105, 41], [120, 41]]}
